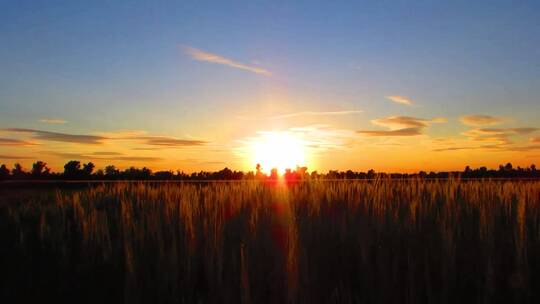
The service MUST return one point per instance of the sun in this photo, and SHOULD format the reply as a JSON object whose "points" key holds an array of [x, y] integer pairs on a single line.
{"points": [[280, 150]]}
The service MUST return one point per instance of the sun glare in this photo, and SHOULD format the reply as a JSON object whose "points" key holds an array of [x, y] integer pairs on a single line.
{"points": [[280, 150]]}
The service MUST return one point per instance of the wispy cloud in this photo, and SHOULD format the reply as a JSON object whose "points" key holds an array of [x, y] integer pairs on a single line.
{"points": [[314, 113], [134, 158], [480, 120], [111, 156], [15, 142], [497, 135], [399, 132], [53, 121], [201, 55], [60, 137], [458, 148], [535, 140], [14, 157], [400, 99], [151, 140], [106, 153], [122, 134], [401, 126], [170, 141]]}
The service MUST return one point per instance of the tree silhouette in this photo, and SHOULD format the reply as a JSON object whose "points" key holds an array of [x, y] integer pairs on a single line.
{"points": [[88, 168], [18, 171], [4, 172], [111, 171], [72, 169], [39, 169], [76, 170]]}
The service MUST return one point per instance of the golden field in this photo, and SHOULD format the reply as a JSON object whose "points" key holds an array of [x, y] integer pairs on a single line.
{"points": [[379, 241]]}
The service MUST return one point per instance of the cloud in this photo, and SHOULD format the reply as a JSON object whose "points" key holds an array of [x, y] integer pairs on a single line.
{"points": [[14, 142], [489, 147], [60, 137], [400, 99], [53, 121], [401, 126], [158, 141], [497, 135], [170, 141], [122, 134], [311, 113], [66, 155], [110, 156], [105, 153], [535, 140], [133, 158], [399, 132], [14, 157], [523, 148], [453, 149], [480, 120], [201, 55]]}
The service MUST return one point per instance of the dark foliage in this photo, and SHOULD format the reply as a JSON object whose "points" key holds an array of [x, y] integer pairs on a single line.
{"points": [[74, 170]]}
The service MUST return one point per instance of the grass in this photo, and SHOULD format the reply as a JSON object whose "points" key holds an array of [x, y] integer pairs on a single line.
{"points": [[383, 241]]}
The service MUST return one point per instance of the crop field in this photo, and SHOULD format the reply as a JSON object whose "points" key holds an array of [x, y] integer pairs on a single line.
{"points": [[378, 241]]}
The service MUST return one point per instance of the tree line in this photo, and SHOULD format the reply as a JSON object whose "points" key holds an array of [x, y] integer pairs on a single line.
{"points": [[75, 170]]}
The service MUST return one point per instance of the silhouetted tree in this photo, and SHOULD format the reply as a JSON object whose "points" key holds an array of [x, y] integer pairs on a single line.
{"points": [[371, 174], [72, 169], [4, 172], [88, 168], [100, 174], [40, 169], [111, 171], [18, 171], [164, 175]]}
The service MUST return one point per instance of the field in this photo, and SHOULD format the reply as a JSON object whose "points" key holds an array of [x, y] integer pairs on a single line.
{"points": [[379, 241]]}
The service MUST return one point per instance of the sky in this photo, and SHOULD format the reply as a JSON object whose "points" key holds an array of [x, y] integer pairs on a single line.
{"points": [[397, 86]]}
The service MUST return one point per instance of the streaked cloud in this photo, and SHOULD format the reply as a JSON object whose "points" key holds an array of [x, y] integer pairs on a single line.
{"points": [[15, 142], [151, 140], [201, 55], [497, 135], [535, 140], [14, 157], [312, 113], [60, 137], [53, 121], [401, 126], [453, 149], [170, 141], [111, 156], [480, 120], [134, 158], [105, 153], [123, 134], [400, 99], [399, 132]]}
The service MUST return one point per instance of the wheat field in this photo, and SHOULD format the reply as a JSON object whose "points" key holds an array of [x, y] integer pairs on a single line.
{"points": [[380, 241]]}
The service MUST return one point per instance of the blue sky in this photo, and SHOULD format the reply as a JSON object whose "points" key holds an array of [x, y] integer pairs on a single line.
{"points": [[111, 66]]}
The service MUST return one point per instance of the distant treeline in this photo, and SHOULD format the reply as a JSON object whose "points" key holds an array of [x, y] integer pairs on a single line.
{"points": [[75, 170]]}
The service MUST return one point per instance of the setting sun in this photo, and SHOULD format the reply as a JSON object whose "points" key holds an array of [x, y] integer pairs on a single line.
{"points": [[280, 150]]}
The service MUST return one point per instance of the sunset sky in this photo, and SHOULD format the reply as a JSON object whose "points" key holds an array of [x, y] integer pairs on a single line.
{"points": [[391, 85]]}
